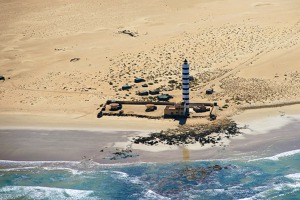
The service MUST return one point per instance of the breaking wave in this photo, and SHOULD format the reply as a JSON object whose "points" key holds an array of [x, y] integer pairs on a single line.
{"points": [[278, 156], [237, 179], [37, 192]]}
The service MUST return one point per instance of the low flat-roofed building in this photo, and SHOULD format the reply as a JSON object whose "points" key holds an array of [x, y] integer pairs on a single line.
{"points": [[200, 108], [114, 106], [139, 80], [209, 91], [179, 109], [150, 107], [143, 93], [153, 92], [164, 97], [126, 87]]}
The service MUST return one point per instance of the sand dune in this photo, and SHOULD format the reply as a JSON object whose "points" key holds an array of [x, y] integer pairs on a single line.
{"points": [[247, 51]]}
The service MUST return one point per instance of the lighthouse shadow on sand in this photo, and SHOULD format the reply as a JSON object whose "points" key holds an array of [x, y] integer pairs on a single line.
{"points": [[181, 120]]}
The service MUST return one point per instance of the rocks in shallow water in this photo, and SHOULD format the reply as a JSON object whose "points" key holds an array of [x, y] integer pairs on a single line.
{"points": [[122, 154], [186, 177], [216, 167]]}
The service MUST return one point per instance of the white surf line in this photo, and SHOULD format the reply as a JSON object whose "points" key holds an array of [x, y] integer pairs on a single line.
{"points": [[278, 156]]}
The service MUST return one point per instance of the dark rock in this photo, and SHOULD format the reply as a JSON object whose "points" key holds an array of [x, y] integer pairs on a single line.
{"points": [[100, 114], [209, 91], [130, 33], [74, 59], [217, 167], [190, 135]]}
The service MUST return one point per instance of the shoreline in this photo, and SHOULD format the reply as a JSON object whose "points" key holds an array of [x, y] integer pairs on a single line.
{"points": [[48, 143]]}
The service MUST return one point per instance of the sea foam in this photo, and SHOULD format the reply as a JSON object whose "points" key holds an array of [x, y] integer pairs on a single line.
{"points": [[149, 194], [66, 164], [278, 156], [295, 176], [282, 187], [37, 192]]}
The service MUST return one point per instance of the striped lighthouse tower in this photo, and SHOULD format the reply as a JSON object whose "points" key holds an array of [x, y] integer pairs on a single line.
{"points": [[186, 85]]}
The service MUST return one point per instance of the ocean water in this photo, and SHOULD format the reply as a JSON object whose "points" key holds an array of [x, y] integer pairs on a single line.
{"points": [[275, 177]]}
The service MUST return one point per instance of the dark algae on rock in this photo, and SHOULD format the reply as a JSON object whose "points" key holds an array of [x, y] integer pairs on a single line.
{"points": [[191, 134]]}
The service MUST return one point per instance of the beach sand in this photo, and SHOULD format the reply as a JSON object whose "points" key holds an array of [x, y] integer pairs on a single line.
{"points": [[63, 59], [278, 134], [248, 52], [52, 121]]}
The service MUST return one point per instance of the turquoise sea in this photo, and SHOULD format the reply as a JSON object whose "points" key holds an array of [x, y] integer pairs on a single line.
{"points": [[276, 177]]}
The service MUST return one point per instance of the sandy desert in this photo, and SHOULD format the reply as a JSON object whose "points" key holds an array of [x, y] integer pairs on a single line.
{"points": [[62, 59]]}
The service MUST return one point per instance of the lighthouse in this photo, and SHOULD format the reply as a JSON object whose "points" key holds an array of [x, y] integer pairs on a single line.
{"points": [[186, 86]]}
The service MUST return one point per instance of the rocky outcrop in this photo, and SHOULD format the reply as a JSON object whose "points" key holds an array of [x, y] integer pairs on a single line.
{"points": [[128, 32], [2, 78], [191, 134], [74, 59]]}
